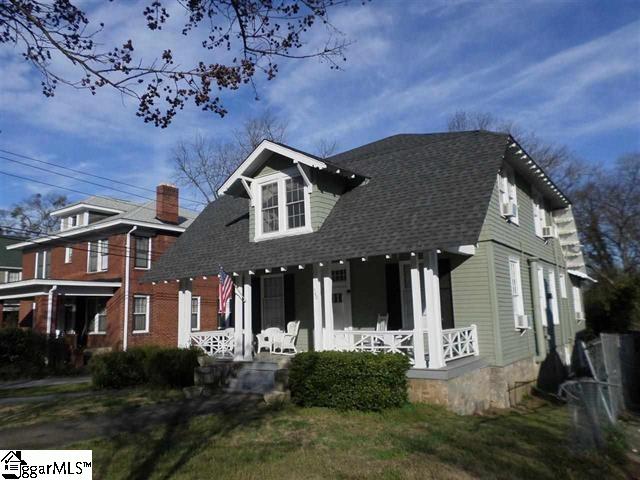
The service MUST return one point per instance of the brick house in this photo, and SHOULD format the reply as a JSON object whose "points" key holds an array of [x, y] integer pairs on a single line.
{"points": [[83, 281]]}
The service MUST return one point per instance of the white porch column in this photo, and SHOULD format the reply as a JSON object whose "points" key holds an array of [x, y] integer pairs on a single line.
{"points": [[327, 284], [238, 324], [418, 327], [434, 315], [248, 332], [184, 314], [317, 309], [50, 308]]}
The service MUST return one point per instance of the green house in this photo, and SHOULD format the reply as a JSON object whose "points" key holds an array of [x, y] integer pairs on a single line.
{"points": [[455, 249]]}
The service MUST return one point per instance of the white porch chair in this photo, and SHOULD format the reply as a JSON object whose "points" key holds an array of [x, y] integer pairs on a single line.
{"points": [[268, 337], [287, 341], [382, 323]]}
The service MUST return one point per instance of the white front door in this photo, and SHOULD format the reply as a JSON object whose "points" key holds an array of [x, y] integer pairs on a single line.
{"points": [[341, 296]]}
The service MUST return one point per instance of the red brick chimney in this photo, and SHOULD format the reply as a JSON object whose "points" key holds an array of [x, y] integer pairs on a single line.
{"points": [[167, 203]]}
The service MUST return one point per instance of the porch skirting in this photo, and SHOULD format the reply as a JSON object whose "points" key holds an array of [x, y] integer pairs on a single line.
{"points": [[472, 386]]}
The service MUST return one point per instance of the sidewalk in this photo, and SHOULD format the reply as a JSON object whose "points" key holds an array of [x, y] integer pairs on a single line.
{"points": [[45, 382], [58, 434]]}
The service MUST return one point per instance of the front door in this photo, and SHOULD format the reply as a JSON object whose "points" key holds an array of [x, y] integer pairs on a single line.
{"points": [[341, 296]]}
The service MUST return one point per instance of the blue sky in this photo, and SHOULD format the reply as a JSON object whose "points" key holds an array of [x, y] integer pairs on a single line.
{"points": [[567, 70]]}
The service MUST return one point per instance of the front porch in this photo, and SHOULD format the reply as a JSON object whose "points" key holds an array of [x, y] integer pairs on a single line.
{"points": [[401, 303]]}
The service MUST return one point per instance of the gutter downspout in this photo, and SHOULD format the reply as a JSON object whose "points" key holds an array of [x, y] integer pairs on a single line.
{"points": [[127, 264], [50, 308]]}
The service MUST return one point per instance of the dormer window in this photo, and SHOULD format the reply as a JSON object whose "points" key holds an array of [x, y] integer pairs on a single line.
{"points": [[281, 205]]}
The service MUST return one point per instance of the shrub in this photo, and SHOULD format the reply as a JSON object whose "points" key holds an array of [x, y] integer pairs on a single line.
{"points": [[162, 367], [26, 354], [172, 367], [349, 380]]}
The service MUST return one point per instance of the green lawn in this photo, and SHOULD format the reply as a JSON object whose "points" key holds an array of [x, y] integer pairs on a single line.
{"points": [[414, 442], [48, 390]]}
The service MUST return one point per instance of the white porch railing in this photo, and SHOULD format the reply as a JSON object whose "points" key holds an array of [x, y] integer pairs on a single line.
{"points": [[215, 343], [459, 342], [396, 341], [456, 342]]}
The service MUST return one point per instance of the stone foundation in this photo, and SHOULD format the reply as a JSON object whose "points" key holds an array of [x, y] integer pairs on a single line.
{"points": [[475, 388]]}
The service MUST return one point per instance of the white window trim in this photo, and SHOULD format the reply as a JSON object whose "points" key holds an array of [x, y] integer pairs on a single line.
{"points": [[147, 319], [283, 224], [148, 255], [539, 213], [554, 297], [562, 279], [577, 301], [197, 329], [507, 186], [272, 275], [542, 295], [44, 253], [517, 301], [96, 324], [99, 266], [68, 254]]}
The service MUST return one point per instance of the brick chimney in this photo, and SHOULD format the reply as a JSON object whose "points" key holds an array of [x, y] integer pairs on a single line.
{"points": [[167, 203]]}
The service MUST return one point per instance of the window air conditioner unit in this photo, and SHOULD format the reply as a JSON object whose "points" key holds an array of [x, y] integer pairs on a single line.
{"points": [[522, 322], [509, 210], [549, 231], [579, 316]]}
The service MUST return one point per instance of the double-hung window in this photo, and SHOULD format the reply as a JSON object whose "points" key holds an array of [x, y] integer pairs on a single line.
{"points": [[98, 256], [68, 255], [281, 205], [508, 193], [516, 291], [141, 314], [43, 264], [195, 313], [270, 215], [538, 212], [577, 302], [98, 322], [553, 298], [14, 276], [563, 285], [143, 253]]}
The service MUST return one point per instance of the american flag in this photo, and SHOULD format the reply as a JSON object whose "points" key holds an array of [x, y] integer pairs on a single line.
{"points": [[225, 290]]}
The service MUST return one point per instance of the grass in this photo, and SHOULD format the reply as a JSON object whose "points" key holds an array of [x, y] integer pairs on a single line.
{"points": [[413, 442], [73, 407]]}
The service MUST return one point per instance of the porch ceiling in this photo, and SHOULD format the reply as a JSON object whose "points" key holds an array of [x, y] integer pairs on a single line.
{"points": [[35, 287]]}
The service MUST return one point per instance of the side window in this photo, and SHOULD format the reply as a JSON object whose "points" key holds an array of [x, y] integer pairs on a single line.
{"points": [[43, 264], [98, 256], [508, 194], [195, 313], [143, 253], [553, 298], [140, 313], [516, 293]]}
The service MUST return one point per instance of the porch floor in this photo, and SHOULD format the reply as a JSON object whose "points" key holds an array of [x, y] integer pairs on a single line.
{"points": [[452, 369]]}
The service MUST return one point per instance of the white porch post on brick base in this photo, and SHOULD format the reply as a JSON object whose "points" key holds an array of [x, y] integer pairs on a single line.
{"points": [[434, 315], [248, 332], [327, 283], [317, 309], [184, 314], [238, 324], [418, 327]]}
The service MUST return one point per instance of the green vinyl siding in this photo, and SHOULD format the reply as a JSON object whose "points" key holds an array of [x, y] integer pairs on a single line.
{"points": [[274, 164], [326, 192], [472, 297]]}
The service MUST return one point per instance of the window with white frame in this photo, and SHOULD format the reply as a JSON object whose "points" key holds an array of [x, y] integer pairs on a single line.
{"points": [[542, 296], [14, 276], [563, 285], [143, 253], [98, 256], [553, 298], [272, 301], [281, 205], [140, 313], [195, 313], [68, 255], [516, 289], [270, 216], [577, 302], [538, 212], [98, 319], [43, 264], [295, 202], [508, 192]]}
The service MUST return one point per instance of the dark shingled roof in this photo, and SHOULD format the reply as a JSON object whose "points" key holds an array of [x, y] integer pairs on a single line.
{"points": [[425, 191]]}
